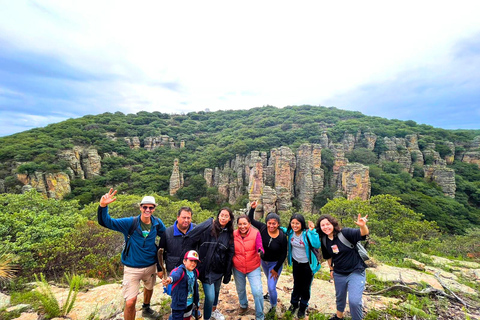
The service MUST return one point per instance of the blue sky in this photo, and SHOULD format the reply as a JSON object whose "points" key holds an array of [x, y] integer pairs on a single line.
{"points": [[411, 60]]}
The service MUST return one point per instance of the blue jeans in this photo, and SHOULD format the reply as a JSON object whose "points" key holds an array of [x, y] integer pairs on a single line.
{"points": [[271, 282], [255, 280], [353, 284], [211, 297]]}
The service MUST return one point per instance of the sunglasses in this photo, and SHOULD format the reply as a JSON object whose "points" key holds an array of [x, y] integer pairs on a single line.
{"points": [[148, 208]]}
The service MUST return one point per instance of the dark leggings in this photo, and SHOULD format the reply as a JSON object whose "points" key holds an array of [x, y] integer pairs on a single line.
{"points": [[302, 282]]}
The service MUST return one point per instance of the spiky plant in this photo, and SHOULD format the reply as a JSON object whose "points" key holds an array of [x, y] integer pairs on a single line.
{"points": [[8, 268]]}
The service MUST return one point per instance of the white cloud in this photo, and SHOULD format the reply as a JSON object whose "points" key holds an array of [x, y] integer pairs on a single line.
{"points": [[220, 55]]}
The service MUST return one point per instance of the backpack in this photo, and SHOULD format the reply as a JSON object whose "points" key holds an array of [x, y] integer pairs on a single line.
{"points": [[359, 247], [133, 227], [168, 289], [126, 245]]}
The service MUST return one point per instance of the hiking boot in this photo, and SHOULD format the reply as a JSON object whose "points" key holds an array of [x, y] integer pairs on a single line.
{"points": [[293, 308], [150, 313], [217, 315], [266, 297], [242, 311], [301, 312]]}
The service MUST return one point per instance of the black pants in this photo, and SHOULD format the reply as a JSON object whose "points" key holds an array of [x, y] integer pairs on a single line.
{"points": [[302, 282]]}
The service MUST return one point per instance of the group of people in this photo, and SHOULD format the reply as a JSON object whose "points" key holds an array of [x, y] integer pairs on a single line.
{"points": [[213, 251]]}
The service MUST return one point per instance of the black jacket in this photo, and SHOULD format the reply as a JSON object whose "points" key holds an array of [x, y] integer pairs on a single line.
{"points": [[216, 254], [173, 243]]}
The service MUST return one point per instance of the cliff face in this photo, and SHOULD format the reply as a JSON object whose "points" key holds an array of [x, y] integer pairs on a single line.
{"points": [[276, 179], [84, 163], [52, 185], [443, 176]]}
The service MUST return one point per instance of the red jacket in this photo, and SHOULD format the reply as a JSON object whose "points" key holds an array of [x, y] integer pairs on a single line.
{"points": [[246, 258]]}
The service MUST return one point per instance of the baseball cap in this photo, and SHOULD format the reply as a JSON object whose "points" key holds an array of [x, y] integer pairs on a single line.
{"points": [[192, 255], [148, 200]]}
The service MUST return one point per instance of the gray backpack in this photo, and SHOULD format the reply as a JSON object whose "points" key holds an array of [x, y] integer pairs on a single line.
{"points": [[360, 249]]}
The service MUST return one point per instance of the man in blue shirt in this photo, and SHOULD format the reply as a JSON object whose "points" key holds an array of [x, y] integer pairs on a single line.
{"points": [[140, 253]]}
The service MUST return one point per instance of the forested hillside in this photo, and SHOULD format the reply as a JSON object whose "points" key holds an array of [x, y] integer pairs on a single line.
{"points": [[136, 153]]}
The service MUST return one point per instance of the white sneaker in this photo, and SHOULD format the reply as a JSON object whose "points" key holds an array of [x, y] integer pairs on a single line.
{"points": [[217, 315]]}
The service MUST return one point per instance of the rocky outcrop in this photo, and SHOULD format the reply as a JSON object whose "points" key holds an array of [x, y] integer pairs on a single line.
{"points": [[472, 157], [443, 176], [2, 186], [432, 157], [284, 164], [309, 175], [83, 163], [269, 200], [348, 142], [412, 147], [208, 176], [355, 181], [276, 179], [449, 158], [106, 302], [132, 142], [151, 143], [397, 151], [370, 140], [176, 179], [91, 163], [52, 185]]}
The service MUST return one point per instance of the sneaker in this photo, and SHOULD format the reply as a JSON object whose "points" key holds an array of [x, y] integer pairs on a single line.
{"points": [[217, 315], [150, 313], [292, 308], [301, 312], [242, 311], [266, 297]]}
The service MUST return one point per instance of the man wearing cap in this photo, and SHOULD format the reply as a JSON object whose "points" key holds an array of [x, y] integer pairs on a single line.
{"points": [[139, 255]]}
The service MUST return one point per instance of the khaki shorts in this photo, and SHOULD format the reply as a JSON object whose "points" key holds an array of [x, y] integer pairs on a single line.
{"points": [[132, 277]]}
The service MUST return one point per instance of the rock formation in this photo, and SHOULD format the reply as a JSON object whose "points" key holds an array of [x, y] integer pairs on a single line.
{"points": [[472, 157], [443, 176], [309, 175], [276, 179], [397, 151], [284, 164], [83, 163], [132, 142], [52, 185], [151, 143], [176, 179], [355, 181], [412, 147]]}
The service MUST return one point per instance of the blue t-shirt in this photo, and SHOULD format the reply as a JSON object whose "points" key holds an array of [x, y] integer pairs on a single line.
{"points": [[191, 284]]}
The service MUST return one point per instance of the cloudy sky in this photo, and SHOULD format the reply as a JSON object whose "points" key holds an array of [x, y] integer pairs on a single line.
{"points": [[408, 60]]}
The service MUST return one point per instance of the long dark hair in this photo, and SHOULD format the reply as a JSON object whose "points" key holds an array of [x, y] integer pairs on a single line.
{"points": [[332, 220], [217, 228], [299, 218]]}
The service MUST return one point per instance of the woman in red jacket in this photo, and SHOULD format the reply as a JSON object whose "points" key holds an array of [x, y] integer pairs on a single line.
{"points": [[246, 264]]}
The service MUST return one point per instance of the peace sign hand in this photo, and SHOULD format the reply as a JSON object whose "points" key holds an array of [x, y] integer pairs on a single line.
{"points": [[108, 198]]}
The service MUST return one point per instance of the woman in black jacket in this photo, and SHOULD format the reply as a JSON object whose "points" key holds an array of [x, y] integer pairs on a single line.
{"points": [[213, 240], [275, 245]]}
